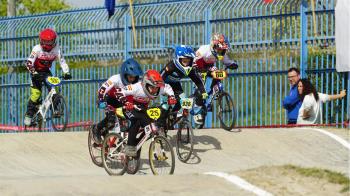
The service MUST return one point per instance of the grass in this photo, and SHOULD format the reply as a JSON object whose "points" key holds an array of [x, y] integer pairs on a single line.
{"points": [[330, 176]]}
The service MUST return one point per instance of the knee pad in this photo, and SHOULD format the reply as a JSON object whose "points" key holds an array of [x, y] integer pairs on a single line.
{"points": [[35, 94]]}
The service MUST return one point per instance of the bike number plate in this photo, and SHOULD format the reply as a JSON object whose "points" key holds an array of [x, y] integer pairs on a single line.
{"points": [[53, 81], [148, 129], [220, 75], [116, 127], [153, 113], [187, 103]]}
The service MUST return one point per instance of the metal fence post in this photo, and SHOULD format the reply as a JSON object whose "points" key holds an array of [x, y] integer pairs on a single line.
{"points": [[348, 101], [12, 104], [303, 38], [127, 37], [207, 33]]}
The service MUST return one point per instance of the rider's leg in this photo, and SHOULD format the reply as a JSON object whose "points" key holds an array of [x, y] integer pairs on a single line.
{"points": [[198, 107], [102, 128], [138, 119], [177, 88], [33, 103]]}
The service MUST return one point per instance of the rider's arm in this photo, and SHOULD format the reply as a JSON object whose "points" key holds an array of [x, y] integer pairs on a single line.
{"points": [[107, 86], [167, 70], [229, 63], [63, 64], [30, 61], [196, 78], [167, 90]]}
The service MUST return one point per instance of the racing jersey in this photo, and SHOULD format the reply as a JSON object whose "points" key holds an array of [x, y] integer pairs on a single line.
{"points": [[139, 96], [205, 60], [170, 73], [41, 61], [109, 87]]}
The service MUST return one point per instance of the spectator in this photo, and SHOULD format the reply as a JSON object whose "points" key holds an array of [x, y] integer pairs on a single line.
{"points": [[311, 110], [292, 102]]}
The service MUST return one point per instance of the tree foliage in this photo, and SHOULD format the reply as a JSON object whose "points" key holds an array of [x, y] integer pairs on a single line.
{"points": [[34, 6]]}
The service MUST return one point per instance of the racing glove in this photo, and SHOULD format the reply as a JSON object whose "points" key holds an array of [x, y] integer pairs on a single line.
{"points": [[102, 105], [67, 76], [129, 106], [35, 75], [172, 100]]}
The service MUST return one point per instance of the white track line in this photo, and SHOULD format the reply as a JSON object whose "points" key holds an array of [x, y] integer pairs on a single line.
{"points": [[241, 183], [337, 138]]}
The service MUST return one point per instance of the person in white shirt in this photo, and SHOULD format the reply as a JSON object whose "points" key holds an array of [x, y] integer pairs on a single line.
{"points": [[311, 108]]}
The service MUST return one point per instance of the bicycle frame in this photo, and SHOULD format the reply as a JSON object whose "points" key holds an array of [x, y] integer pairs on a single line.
{"points": [[148, 131], [214, 94], [44, 107]]}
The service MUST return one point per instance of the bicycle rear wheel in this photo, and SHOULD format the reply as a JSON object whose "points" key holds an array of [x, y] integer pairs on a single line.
{"points": [[94, 149], [113, 159], [59, 113], [226, 111], [184, 142], [161, 156]]}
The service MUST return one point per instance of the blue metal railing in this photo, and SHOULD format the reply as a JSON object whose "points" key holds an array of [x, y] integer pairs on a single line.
{"points": [[266, 40]]}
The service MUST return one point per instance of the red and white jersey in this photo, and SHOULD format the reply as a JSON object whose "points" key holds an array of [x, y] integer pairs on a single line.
{"points": [[205, 59], [139, 95], [110, 86], [42, 61]]}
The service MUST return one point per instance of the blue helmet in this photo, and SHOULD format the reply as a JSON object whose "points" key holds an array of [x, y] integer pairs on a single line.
{"points": [[130, 67], [183, 51]]}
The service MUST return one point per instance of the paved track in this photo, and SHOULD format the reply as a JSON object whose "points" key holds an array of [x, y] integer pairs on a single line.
{"points": [[59, 163]]}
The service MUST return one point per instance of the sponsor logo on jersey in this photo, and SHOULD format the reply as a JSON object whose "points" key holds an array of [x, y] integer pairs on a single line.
{"points": [[129, 87]]}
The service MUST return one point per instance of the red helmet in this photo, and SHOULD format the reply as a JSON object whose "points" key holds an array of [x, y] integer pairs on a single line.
{"points": [[47, 39], [152, 79], [219, 45], [219, 41]]}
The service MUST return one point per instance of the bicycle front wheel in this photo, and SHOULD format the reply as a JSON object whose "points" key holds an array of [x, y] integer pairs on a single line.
{"points": [[59, 113], [226, 111], [184, 142], [113, 159], [161, 156]]}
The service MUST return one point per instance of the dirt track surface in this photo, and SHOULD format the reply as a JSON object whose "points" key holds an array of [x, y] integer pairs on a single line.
{"points": [[59, 163]]}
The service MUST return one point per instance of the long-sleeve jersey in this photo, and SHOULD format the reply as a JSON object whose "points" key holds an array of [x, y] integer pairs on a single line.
{"points": [[205, 59], [110, 87], [138, 94], [170, 73], [41, 61]]}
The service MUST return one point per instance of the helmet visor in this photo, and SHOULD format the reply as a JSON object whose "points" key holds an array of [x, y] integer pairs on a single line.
{"points": [[130, 78], [47, 42], [153, 90], [186, 61], [220, 52]]}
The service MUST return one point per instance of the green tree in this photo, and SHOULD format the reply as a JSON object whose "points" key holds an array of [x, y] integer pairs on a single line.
{"points": [[34, 6]]}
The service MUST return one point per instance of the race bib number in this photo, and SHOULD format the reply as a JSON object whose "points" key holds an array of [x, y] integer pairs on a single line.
{"points": [[220, 75], [153, 113], [53, 80], [187, 103]]}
